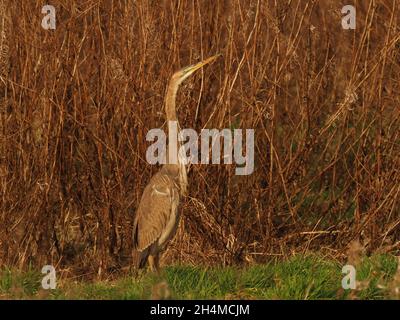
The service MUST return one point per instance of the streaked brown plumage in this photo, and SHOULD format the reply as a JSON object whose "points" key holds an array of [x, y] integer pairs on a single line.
{"points": [[157, 216]]}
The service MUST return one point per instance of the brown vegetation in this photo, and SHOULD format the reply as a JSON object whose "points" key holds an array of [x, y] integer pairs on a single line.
{"points": [[77, 102]]}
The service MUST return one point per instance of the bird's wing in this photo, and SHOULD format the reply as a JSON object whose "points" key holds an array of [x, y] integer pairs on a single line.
{"points": [[153, 214]]}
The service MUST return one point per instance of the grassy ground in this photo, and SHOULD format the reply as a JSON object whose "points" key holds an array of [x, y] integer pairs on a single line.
{"points": [[309, 277]]}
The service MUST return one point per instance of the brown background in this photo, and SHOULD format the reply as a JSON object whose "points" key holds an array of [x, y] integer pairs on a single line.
{"points": [[77, 102]]}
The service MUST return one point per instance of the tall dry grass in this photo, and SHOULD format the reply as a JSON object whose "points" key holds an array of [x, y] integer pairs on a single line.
{"points": [[77, 102]]}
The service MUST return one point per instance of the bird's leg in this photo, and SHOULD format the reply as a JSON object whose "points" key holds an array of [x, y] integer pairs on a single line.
{"points": [[152, 263], [157, 262]]}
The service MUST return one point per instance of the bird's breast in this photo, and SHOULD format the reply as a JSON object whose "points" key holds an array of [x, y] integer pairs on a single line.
{"points": [[173, 221]]}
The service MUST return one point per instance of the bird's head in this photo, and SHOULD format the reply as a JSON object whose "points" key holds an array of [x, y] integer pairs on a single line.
{"points": [[186, 72]]}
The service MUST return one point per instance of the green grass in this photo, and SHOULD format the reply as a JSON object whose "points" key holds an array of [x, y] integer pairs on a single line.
{"points": [[310, 277]]}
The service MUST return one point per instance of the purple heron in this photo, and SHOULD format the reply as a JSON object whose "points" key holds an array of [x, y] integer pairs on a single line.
{"points": [[157, 216]]}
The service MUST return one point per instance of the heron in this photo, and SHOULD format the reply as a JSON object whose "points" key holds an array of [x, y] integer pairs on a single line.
{"points": [[157, 217]]}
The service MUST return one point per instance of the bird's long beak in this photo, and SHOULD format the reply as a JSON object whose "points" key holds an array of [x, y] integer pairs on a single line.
{"points": [[197, 66]]}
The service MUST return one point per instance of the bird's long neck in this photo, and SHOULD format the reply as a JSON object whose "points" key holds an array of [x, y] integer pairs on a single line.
{"points": [[170, 102], [174, 146]]}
